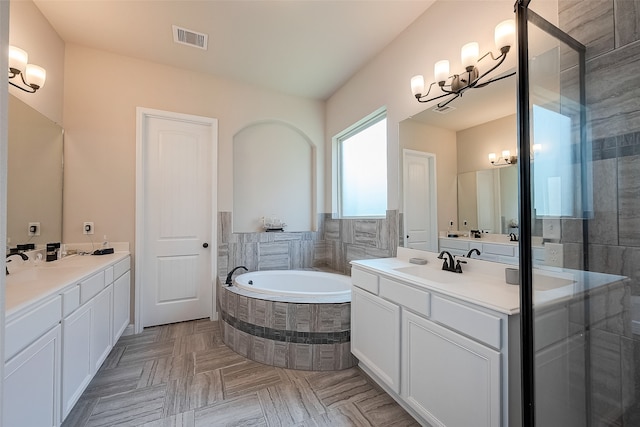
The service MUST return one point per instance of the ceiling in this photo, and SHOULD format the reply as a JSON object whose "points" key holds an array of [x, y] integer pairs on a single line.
{"points": [[307, 48]]}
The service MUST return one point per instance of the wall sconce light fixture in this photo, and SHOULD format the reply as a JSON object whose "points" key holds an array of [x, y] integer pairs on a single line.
{"points": [[505, 159], [32, 76], [455, 85]]}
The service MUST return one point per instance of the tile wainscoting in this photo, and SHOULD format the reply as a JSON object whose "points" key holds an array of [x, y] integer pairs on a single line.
{"points": [[336, 243]]}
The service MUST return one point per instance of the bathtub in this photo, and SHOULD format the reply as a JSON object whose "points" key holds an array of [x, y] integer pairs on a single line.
{"points": [[289, 318], [298, 284]]}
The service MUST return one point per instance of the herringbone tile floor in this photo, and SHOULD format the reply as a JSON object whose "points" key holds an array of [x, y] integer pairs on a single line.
{"points": [[183, 375]]}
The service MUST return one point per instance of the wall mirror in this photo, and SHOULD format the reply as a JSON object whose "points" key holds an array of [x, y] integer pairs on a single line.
{"points": [[460, 138], [35, 174]]}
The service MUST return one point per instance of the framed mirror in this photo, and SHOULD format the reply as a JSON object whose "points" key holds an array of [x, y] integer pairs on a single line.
{"points": [[35, 166]]}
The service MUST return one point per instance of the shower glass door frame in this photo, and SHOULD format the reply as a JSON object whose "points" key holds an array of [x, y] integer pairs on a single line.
{"points": [[524, 18]]}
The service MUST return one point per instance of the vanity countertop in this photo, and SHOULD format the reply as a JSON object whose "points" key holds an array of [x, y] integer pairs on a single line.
{"points": [[483, 283], [28, 286]]}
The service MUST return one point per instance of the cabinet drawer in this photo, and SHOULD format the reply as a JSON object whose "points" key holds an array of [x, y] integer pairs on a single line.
{"points": [[482, 326], [364, 280], [121, 267], [70, 300], [412, 298], [91, 286], [454, 244], [507, 250], [26, 329]]}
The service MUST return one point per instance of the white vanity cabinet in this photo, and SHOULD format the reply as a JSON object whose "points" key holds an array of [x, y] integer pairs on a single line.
{"points": [[452, 355], [447, 378], [76, 362], [56, 342], [90, 331], [375, 335], [37, 364], [121, 297]]}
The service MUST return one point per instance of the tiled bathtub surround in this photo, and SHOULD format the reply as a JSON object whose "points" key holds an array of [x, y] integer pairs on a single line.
{"points": [[287, 335], [334, 245]]}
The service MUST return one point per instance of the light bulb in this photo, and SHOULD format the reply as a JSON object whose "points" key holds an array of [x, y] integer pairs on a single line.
{"points": [[18, 59], [441, 71], [417, 85], [35, 76], [506, 154], [505, 33], [469, 54], [492, 157]]}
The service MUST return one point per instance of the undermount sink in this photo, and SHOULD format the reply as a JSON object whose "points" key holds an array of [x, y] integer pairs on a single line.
{"points": [[429, 273]]}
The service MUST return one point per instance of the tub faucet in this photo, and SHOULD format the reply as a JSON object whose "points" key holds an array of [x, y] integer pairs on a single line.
{"points": [[229, 281], [20, 254]]}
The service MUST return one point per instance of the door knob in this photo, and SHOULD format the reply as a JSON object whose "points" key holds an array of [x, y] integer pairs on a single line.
{"points": [[205, 245]]}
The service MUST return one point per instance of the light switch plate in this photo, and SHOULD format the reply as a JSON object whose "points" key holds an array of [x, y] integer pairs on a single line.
{"points": [[553, 254], [551, 228]]}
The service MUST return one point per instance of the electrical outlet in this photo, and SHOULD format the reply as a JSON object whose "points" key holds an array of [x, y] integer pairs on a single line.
{"points": [[553, 254], [34, 229], [87, 228], [551, 228]]}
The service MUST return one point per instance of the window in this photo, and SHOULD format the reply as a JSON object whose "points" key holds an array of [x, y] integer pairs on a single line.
{"points": [[362, 168]]}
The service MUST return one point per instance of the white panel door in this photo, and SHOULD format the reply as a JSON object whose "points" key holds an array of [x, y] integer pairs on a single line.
{"points": [[177, 224], [420, 203]]}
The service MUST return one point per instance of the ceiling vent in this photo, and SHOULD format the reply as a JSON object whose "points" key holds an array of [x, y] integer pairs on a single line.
{"points": [[189, 37], [444, 110]]}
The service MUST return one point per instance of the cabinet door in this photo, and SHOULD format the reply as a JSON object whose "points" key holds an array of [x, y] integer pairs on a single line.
{"points": [[121, 296], [76, 356], [32, 384], [375, 336], [449, 379], [101, 327]]}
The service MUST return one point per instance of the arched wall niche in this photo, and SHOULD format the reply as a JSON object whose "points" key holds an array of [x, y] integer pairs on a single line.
{"points": [[274, 174]]}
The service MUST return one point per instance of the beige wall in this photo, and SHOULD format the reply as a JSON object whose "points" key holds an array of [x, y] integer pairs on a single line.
{"points": [[29, 30], [475, 143], [384, 81], [102, 91]]}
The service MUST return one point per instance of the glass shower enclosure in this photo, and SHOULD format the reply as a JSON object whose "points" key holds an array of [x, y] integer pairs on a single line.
{"points": [[580, 344]]}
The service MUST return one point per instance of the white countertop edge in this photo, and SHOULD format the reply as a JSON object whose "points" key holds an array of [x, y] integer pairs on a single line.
{"points": [[489, 289], [20, 297]]}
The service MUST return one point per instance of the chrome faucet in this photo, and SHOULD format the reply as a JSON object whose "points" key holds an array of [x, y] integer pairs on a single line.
{"points": [[472, 251], [229, 280], [20, 254], [451, 264]]}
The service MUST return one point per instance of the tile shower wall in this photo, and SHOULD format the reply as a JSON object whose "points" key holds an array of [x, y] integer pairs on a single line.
{"points": [[333, 246], [611, 31]]}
